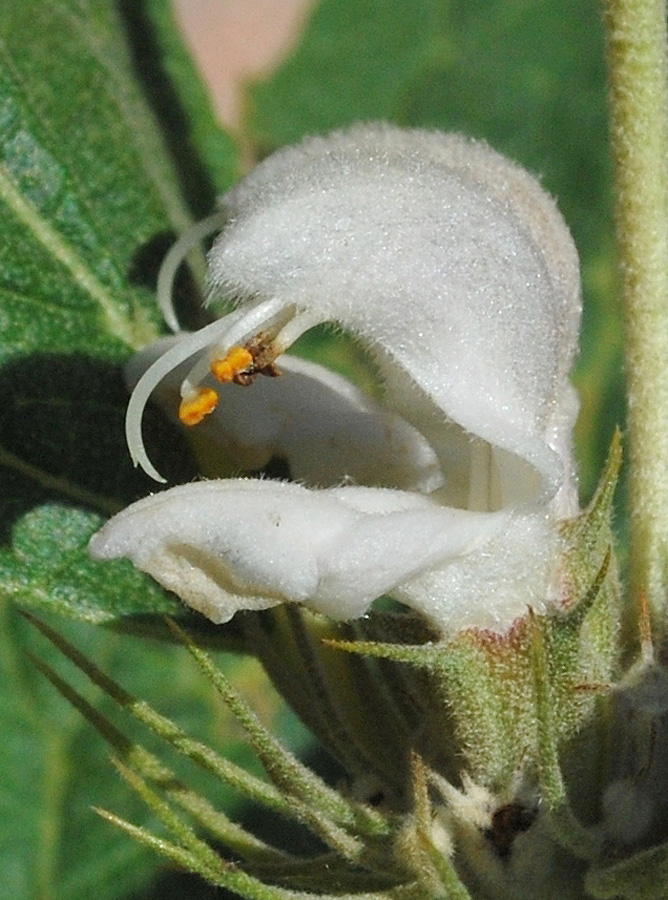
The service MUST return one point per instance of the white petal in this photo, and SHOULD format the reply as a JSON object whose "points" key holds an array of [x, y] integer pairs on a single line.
{"points": [[325, 428], [494, 584], [446, 258], [245, 544]]}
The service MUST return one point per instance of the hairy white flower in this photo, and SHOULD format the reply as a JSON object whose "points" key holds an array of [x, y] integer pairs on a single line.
{"points": [[457, 272]]}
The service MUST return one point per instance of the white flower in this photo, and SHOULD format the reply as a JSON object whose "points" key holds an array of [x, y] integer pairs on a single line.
{"points": [[457, 272]]}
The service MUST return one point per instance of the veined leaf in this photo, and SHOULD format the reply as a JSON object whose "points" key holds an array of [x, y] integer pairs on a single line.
{"points": [[89, 201]]}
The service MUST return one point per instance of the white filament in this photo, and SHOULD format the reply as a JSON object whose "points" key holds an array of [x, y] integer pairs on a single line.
{"points": [[224, 333], [266, 316], [152, 378]]}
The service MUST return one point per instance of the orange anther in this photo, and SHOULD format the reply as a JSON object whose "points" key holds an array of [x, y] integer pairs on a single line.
{"points": [[193, 409], [235, 361]]}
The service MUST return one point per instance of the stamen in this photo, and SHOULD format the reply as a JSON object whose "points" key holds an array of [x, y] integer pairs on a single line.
{"points": [[232, 330], [266, 317], [186, 347], [194, 409], [232, 364]]}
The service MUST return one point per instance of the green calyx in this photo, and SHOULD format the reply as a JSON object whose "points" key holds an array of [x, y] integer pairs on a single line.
{"points": [[481, 765]]}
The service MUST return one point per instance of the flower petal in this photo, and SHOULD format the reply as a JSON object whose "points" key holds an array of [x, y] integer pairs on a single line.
{"points": [[446, 258], [248, 544]]}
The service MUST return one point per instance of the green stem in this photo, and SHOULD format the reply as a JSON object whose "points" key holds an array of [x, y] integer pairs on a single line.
{"points": [[639, 107]]}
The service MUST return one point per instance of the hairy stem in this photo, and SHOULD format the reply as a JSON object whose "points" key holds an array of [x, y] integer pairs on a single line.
{"points": [[639, 106]]}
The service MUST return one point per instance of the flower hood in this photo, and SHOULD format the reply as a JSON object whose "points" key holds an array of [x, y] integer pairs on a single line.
{"points": [[456, 271]]}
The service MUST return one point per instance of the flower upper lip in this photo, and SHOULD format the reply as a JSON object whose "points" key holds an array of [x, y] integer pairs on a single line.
{"points": [[457, 272]]}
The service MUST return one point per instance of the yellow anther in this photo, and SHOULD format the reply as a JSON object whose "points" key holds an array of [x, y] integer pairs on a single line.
{"points": [[232, 364], [193, 409]]}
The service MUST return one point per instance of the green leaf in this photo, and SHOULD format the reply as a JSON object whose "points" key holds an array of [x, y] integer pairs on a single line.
{"points": [[89, 200], [50, 542], [54, 767], [80, 187]]}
